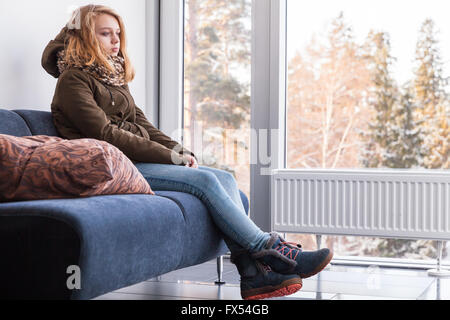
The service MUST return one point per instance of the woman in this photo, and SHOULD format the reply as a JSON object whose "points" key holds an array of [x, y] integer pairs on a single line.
{"points": [[92, 100]]}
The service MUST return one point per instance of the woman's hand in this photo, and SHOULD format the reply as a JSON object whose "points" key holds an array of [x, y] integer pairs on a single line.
{"points": [[190, 161]]}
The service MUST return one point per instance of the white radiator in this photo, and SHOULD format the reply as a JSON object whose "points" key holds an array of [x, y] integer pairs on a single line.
{"points": [[386, 203]]}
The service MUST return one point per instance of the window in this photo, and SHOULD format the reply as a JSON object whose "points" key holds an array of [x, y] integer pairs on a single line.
{"points": [[365, 90], [217, 69], [214, 53]]}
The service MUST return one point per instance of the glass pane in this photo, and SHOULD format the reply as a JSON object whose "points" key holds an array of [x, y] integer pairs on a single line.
{"points": [[217, 66], [367, 88]]}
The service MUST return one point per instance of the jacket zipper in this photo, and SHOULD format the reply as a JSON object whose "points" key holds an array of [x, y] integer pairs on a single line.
{"points": [[112, 99]]}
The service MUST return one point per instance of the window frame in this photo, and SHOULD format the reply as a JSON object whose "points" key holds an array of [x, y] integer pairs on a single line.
{"points": [[171, 51], [268, 102], [152, 61]]}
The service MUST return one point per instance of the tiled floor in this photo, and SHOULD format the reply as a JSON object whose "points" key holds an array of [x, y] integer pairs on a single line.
{"points": [[336, 282]]}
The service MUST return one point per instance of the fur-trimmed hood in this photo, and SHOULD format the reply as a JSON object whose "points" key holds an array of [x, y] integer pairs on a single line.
{"points": [[49, 60]]}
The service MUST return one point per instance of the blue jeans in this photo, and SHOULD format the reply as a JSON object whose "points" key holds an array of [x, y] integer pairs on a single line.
{"points": [[218, 190]]}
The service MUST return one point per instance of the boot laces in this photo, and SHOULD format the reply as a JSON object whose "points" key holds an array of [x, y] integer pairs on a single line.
{"points": [[289, 249]]}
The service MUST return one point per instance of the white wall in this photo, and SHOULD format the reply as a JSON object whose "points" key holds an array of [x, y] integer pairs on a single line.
{"points": [[27, 26]]}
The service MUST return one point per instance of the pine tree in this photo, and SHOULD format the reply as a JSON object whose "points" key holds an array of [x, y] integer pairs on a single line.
{"points": [[380, 136], [406, 150], [430, 95]]}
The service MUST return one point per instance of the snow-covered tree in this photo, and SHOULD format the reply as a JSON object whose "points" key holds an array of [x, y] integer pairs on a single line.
{"points": [[430, 95], [383, 97], [406, 150]]}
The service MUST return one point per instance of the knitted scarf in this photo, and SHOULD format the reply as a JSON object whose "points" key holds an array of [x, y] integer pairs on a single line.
{"points": [[100, 72]]}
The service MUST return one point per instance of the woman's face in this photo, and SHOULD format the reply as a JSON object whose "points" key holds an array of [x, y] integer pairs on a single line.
{"points": [[107, 32]]}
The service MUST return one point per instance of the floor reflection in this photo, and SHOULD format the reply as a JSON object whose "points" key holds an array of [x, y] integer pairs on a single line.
{"points": [[336, 282]]}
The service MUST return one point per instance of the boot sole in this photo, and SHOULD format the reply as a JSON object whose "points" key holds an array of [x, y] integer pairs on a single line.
{"points": [[286, 288], [319, 267]]}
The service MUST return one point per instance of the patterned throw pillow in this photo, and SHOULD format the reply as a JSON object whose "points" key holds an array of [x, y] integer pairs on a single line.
{"points": [[44, 167]]}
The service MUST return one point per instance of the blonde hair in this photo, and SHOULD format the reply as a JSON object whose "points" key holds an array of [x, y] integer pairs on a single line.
{"points": [[82, 46]]}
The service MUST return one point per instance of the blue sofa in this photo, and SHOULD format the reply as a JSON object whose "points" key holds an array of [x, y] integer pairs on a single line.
{"points": [[115, 240]]}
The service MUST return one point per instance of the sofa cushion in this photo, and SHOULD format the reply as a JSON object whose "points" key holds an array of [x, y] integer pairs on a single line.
{"points": [[39, 122], [45, 167], [199, 246], [13, 124]]}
